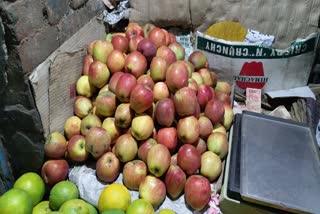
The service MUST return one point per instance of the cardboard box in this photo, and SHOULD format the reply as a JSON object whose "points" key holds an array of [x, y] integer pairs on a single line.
{"points": [[54, 80]]}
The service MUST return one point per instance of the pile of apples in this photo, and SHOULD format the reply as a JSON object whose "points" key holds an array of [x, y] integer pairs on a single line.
{"points": [[144, 111]]}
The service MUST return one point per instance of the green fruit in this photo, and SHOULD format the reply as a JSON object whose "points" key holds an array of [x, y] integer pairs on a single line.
{"points": [[33, 184], [62, 192], [140, 206], [41, 208], [113, 211], [92, 209], [74, 206], [16, 201], [166, 211], [55, 212]]}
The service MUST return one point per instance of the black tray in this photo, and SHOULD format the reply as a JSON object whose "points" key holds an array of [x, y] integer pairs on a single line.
{"points": [[280, 164]]}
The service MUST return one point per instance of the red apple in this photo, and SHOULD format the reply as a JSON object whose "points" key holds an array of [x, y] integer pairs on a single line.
{"points": [[146, 80], [84, 88], [54, 171], [98, 141], [224, 98], [165, 112], [206, 76], [76, 149], [106, 104], [178, 50], [174, 160], [134, 29], [91, 120], [141, 98], [126, 148], [219, 128], [160, 91], [185, 101], [175, 180], [201, 146], [158, 160], [217, 142], [177, 76], [197, 77], [125, 85], [55, 145], [153, 190], [101, 50], [172, 37], [214, 78], [206, 126], [72, 126], [133, 43], [99, 74], [109, 124], [211, 165], [190, 67], [136, 64], [197, 192], [113, 81], [168, 137], [198, 59], [188, 159], [133, 174], [167, 54], [90, 47], [144, 148], [87, 60], [123, 115], [188, 129], [108, 167], [204, 95], [227, 117], [120, 43], [147, 48], [223, 87], [214, 110], [167, 36], [115, 61], [157, 35], [142, 127], [147, 28], [193, 85], [158, 69], [197, 112], [82, 106]]}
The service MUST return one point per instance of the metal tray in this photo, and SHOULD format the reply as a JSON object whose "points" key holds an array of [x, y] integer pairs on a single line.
{"points": [[280, 164]]}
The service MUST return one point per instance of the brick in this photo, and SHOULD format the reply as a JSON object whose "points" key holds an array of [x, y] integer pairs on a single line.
{"points": [[35, 50], [76, 4], [27, 16], [56, 9]]}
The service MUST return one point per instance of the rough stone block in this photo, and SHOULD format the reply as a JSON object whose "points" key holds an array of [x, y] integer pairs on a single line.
{"points": [[27, 16], [23, 119], [56, 9], [76, 4], [34, 50], [72, 23], [26, 151]]}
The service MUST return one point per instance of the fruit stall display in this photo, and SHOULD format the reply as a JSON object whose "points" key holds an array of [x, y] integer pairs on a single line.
{"points": [[142, 110]]}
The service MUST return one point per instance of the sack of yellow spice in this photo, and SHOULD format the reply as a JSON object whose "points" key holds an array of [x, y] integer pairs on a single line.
{"points": [[227, 30]]}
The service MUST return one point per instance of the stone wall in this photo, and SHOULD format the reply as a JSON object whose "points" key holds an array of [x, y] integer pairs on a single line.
{"points": [[32, 30]]}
